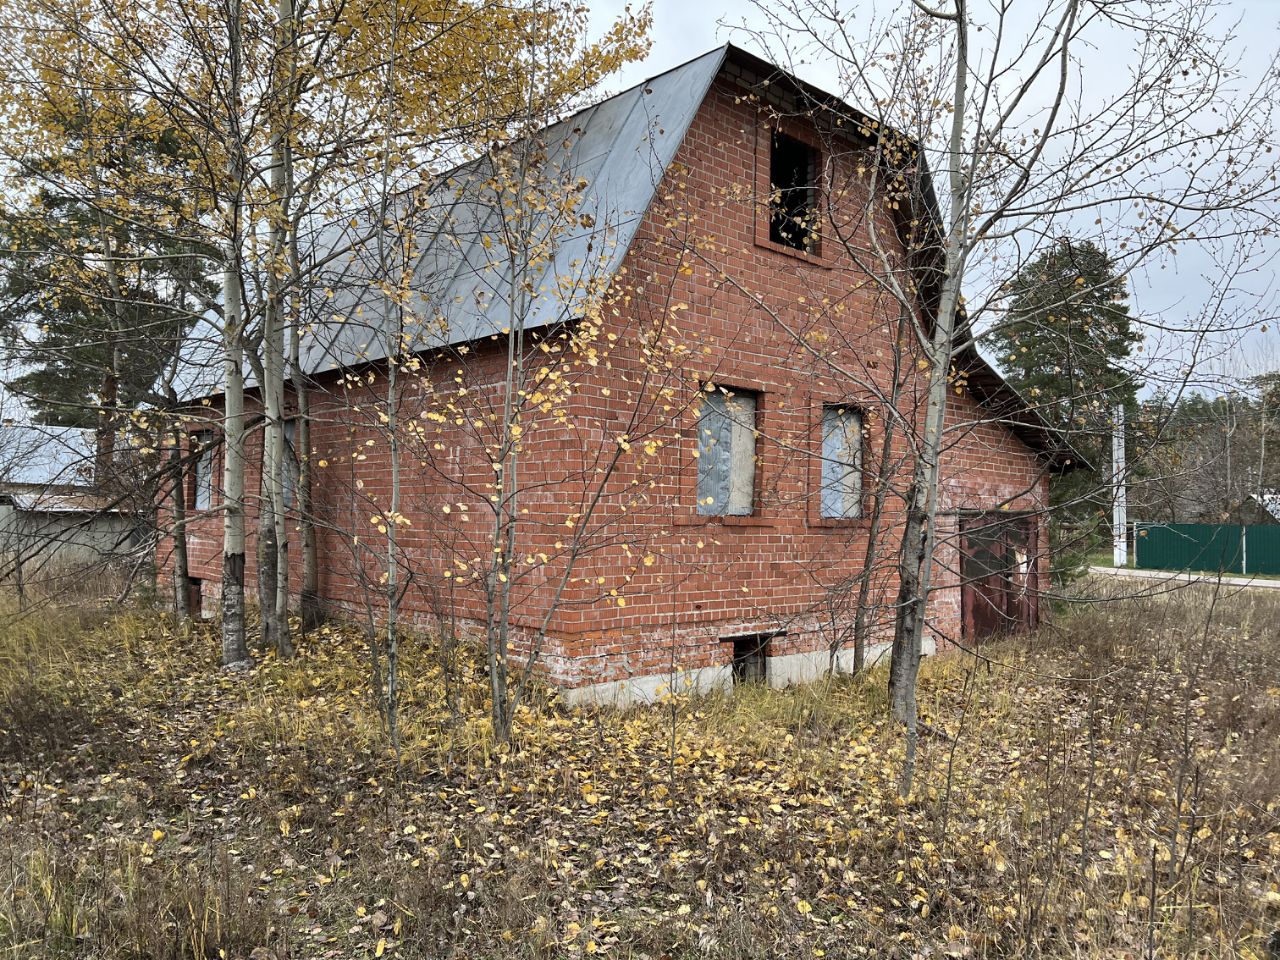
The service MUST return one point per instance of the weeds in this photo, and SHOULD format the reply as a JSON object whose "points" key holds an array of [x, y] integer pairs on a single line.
{"points": [[1104, 788]]}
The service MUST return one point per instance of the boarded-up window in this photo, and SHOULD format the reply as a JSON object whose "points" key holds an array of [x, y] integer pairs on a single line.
{"points": [[841, 462], [290, 460], [202, 492], [727, 454]]}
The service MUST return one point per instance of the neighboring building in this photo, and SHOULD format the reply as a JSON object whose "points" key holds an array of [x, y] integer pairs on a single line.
{"points": [[53, 518], [735, 525], [1262, 508]]}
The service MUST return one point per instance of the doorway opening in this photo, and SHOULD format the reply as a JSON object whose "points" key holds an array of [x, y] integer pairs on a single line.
{"points": [[998, 594]]}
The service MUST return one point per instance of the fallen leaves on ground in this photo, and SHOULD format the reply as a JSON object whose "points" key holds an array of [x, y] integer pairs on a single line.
{"points": [[1106, 787]]}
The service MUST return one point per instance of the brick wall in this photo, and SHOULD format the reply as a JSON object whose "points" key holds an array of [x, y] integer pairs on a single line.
{"points": [[627, 577]]}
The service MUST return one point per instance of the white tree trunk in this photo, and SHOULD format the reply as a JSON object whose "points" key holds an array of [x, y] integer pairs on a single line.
{"points": [[181, 569], [915, 567], [234, 651]]}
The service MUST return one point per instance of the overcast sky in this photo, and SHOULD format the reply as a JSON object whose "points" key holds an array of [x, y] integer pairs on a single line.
{"points": [[683, 29]]}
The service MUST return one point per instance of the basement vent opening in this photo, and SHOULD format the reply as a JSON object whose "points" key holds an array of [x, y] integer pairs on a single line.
{"points": [[195, 596], [750, 657]]}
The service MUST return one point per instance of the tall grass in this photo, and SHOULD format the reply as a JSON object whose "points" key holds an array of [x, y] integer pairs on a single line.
{"points": [[1106, 787]]}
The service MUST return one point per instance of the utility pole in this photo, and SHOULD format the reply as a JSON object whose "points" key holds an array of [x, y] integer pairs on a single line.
{"points": [[1120, 501]]}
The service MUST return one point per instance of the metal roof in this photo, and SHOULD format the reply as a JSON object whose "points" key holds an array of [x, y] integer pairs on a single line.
{"points": [[199, 371], [610, 157], [617, 149], [44, 502], [461, 277]]}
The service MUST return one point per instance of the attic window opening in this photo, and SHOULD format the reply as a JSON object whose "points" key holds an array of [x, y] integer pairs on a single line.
{"points": [[793, 175]]}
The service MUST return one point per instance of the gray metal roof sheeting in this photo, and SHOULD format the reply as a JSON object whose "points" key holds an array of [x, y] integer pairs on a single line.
{"points": [[44, 502], [461, 285], [200, 370], [461, 272]]}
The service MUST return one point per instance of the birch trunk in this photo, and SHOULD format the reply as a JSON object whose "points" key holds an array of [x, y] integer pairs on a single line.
{"points": [[181, 569], [504, 532], [273, 577], [234, 651], [393, 559], [915, 568], [394, 348], [916, 564], [267, 552], [282, 187], [861, 611], [309, 607]]}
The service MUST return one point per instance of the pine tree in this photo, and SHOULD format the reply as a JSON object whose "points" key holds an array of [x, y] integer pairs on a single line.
{"points": [[1066, 340], [1064, 347], [91, 331]]}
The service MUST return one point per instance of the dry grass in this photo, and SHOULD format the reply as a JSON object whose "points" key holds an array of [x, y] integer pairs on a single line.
{"points": [[1105, 788], [53, 582]]}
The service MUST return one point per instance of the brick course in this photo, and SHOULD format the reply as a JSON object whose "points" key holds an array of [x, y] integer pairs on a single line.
{"points": [[719, 303]]}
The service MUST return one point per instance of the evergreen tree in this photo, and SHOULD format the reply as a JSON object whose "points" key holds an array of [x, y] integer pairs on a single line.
{"points": [[1063, 346], [1066, 340], [91, 336]]}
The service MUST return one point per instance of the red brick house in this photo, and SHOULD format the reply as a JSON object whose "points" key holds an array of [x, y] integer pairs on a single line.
{"points": [[698, 468]]}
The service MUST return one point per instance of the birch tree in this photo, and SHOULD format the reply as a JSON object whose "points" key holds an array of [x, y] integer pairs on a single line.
{"points": [[275, 107], [991, 134], [537, 59]]}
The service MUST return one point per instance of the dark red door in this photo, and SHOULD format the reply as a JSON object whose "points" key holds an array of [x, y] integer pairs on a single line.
{"points": [[998, 571]]}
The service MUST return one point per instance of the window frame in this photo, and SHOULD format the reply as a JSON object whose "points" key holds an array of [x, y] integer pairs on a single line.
{"points": [[856, 490], [813, 517], [726, 395], [817, 255], [202, 440], [808, 240]]}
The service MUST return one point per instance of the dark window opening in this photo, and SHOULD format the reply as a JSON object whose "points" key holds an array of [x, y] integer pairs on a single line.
{"points": [[750, 653], [195, 594], [793, 173]]}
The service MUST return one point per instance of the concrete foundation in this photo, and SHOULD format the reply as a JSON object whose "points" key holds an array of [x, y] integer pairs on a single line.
{"points": [[781, 671]]}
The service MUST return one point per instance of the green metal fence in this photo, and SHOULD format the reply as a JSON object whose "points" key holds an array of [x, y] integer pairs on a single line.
{"points": [[1208, 547]]}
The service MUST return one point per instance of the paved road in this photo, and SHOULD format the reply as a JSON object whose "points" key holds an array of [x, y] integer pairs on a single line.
{"points": [[1164, 576]]}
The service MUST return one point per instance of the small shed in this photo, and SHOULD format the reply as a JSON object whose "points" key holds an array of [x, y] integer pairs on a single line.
{"points": [[53, 516]]}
